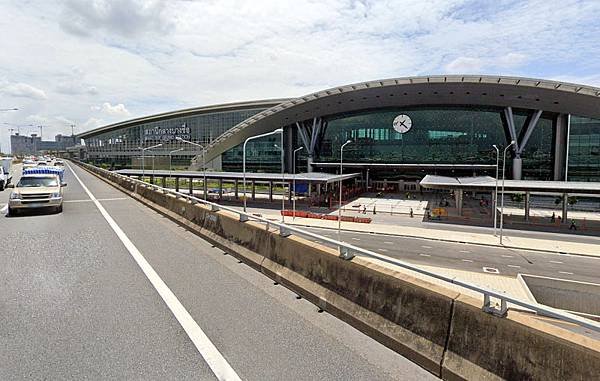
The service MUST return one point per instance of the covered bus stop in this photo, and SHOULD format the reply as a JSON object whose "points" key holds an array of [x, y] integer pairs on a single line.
{"points": [[315, 181], [488, 184]]}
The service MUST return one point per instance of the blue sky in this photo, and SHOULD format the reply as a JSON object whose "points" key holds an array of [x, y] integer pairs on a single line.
{"points": [[94, 62]]}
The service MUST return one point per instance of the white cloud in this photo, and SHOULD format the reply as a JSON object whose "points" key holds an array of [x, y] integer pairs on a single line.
{"points": [[108, 109], [465, 65], [23, 90]]}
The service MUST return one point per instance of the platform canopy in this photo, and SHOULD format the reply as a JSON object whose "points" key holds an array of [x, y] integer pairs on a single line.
{"points": [[313, 177], [487, 183]]}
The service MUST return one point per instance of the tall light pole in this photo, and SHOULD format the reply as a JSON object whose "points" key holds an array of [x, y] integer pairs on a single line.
{"points": [[294, 182], [282, 181], [144, 161], [277, 131], [340, 205], [503, 176], [170, 160], [496, 192], [204, 186]]}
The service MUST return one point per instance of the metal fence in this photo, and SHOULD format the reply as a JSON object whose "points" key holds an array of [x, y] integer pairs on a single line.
{"points": [[348, 251]]}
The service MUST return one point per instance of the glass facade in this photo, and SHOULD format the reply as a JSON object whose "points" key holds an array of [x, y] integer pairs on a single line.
{"points": [[584, 149], [439, 135], [119, 147]]}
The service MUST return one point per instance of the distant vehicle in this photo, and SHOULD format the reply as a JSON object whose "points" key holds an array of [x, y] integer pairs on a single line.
{"points": [[59, 163], [36, 191], [28, 164], [5, 172], [42, 163]]}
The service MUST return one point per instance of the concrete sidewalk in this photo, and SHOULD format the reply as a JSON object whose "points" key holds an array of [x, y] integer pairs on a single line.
{"points": [[564, 247]]}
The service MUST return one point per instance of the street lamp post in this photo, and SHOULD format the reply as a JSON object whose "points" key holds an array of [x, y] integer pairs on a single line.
{"points": [[277, 131], [340, 205], [171, 159], [503, 176], [144, 161], [496, 192], [294, 182], [203, 162]]}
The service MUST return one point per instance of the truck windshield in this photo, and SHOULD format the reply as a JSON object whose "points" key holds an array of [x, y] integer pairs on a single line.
{"points": [[27, 182]]}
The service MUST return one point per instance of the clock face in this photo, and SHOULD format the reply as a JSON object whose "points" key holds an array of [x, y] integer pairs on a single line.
{"points": [[402, 123]]}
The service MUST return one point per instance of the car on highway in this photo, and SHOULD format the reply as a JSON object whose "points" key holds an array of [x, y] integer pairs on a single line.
{"points": [[28, 163], [36, 191], [42, 163], [59, 163]]}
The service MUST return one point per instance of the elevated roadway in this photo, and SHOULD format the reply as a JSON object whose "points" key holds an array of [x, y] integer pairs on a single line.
{"points": [[75, 303]]}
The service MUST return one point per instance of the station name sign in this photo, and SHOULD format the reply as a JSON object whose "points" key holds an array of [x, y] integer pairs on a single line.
{"points": [[167, 133]]}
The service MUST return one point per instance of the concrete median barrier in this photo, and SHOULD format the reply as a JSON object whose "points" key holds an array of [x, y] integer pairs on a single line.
{"points": [[438, 328]]}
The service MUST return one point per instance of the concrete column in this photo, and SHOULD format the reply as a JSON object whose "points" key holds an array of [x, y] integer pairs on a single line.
{"points": [[164, 182], [564, 207], [236, 189], [560, 146], [270, 190], [309, 161], [191, 186], [220, 188], [527, 205], [177, 184], [517, 168], [458, 194], [309, 188], [319, 191], [253, 190]]}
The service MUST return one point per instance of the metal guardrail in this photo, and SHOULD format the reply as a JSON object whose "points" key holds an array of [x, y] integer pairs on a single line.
{"points": [[348, 251]]}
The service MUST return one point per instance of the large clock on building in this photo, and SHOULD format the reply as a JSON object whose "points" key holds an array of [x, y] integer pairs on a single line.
{"points": [[402, 123]]}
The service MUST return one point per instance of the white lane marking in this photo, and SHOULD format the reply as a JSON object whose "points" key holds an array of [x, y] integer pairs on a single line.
{"points": [[465, 251], [425, 255], [491, 270], [558, 262], [356, 239], [382, 249], [506, 256], [389, 243], [466, 260], [565, 272], [208, 351], [4, 209], [426, 247], [514, 266]]}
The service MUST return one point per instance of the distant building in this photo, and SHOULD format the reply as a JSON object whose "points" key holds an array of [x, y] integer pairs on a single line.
{"points": [[33, 145]]}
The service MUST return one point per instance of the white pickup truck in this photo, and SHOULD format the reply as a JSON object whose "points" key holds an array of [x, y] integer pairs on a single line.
{"points": [[5, 172]]}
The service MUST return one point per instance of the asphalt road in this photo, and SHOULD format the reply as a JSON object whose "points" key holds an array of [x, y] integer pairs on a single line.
{"points": [[75, 304], [467, 257]]}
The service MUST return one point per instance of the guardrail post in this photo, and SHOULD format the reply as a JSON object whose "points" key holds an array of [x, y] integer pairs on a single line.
{"points": [[284, 232], [345, 253], [214, 208], [243, 218], [490, 309]]}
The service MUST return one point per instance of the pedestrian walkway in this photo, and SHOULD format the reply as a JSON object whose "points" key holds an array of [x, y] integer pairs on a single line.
{"points": [[537, 244]]}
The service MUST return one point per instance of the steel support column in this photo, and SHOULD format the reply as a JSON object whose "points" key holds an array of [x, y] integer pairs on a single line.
{"points": [[560, 146], [220, 189], [253, 190], [458, 195], [565, 203], [164, 181], [191, 186], [236, 189], [270, 191], [177, 184], [527, 205]]}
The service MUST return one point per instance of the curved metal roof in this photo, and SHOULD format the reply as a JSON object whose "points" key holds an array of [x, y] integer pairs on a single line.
{"points": [[498, 91], [183, 113]]}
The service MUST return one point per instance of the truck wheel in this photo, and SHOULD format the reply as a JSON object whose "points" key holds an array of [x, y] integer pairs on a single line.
{"points": [[11, 212], [1, 186], [59, 209]]}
